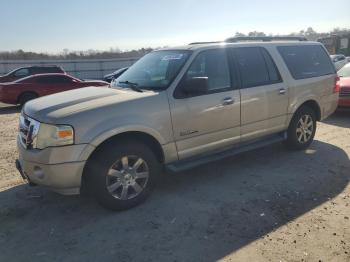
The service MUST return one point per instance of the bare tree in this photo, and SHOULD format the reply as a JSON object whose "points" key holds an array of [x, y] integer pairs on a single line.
{"points": [[256, 34]]}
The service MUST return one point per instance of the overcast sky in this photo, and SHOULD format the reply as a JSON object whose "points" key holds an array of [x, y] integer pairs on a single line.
{"points": [[51, 26]]}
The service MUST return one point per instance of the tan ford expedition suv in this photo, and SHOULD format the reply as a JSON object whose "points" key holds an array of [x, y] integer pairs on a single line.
{"points": [[176, 108]]}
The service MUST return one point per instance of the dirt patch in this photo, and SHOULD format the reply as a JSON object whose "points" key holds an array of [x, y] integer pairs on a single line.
{"points": [[8, 152], [266, 205]]}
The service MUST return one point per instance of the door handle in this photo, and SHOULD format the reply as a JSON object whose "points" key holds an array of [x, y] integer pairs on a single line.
{"points": [[282, 91], [228, 101]]}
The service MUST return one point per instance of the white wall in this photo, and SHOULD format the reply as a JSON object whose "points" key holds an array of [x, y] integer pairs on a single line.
{"points": [[84, 68]]}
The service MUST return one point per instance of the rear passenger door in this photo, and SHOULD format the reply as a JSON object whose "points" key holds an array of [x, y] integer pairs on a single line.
{"points": [[264, 96]]}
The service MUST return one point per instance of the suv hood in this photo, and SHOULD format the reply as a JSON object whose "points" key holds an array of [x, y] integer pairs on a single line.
{"points": [[54, 108], [96, 82]]}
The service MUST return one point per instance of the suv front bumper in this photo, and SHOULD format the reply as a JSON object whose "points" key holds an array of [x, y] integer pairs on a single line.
{"points": [[59, 169]]}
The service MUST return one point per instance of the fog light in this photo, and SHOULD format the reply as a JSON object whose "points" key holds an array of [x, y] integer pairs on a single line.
{"points": [[38, 172]]}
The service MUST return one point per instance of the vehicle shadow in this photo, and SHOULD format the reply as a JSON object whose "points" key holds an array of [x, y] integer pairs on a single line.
{"points": [[8, 109], [200, 215], [340, 118]]}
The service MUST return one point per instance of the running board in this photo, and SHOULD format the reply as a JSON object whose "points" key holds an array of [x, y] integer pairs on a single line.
{"points": [[204, 159]]}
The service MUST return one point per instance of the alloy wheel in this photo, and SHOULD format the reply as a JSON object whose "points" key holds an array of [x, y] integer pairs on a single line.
{"points": [[127, 177], [305, 128]]}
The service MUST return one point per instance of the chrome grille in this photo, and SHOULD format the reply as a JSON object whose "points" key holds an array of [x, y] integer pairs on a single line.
{"points": [[28, 130]]}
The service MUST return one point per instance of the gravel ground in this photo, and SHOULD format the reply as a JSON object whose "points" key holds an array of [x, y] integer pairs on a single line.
{"points": [[267, 205]]}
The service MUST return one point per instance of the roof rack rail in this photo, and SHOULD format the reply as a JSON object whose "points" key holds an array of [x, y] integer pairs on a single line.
{"points": [[265, 38], [209, 42], [254, 38]]}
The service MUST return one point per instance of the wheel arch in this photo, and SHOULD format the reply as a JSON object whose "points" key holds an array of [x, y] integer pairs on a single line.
{"points": [[314, 106], [26, 92], [310, 103], [139, 136]]}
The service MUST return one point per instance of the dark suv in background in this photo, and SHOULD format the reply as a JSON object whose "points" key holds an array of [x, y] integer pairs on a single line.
{"points": [[109, 78], [27, 71]]}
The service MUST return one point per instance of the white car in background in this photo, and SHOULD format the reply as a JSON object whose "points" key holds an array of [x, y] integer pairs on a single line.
{"points": [[339, 61]]}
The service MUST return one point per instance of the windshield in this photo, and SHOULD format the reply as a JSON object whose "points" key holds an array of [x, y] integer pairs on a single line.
{"points": [[345, 71], [154, 71]]}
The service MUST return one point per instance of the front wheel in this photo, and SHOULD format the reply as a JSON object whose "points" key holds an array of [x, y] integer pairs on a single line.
{"points": [[122, 174], [302, 129]]}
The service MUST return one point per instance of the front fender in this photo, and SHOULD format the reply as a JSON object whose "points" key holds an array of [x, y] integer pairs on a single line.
{"points": [[98, 140], [124, 129]]}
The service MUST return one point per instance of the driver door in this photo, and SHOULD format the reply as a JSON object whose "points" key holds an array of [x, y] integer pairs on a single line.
{"points": [[209, 121]]}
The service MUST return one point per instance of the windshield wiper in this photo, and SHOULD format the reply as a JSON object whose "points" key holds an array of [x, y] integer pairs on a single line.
{"points": [[132, 85]]}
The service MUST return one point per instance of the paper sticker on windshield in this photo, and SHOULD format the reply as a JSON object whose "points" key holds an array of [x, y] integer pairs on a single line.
{"points": [[172, 57]]}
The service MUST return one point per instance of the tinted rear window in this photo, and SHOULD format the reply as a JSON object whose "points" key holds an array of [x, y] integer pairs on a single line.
{"points": [[256, 67], [54, 70], [42, 70], [273, 72], [252, 67], [54, 79], [306, 61]]}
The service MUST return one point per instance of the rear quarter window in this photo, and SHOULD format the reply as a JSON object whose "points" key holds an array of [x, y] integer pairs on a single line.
{"points": [[54, 70], [43, 70], [306, 61]]}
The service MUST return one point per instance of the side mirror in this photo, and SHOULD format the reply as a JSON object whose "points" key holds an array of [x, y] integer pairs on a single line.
{"points": [[195, 86]]}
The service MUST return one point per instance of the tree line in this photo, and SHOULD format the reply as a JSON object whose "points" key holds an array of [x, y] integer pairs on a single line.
{"points": [[69, 55], [309, 33]]}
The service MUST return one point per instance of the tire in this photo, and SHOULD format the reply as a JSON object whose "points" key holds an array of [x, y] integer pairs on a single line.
{"points": [[114, 185], [302, 129], [25, 97]]}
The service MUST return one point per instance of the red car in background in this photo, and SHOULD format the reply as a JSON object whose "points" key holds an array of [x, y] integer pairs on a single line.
{"points": [[28, 71], [344, 83], [31, 87]]}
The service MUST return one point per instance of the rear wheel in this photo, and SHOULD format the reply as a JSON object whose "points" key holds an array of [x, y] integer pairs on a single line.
{"points": [[25, 97], [302, 129], [122, 174]]}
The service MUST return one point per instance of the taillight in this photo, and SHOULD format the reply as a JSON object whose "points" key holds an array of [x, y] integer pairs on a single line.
{"points": [[336, 88]]}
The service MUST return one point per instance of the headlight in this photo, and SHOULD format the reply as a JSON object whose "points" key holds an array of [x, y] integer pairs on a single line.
{"points": [[54, 135]]}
